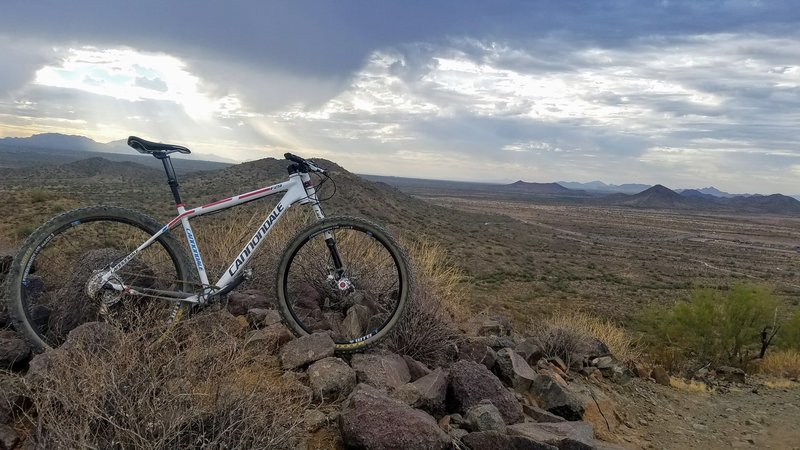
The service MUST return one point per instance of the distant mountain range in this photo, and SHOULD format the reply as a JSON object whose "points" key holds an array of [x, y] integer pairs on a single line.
{"points": [[55, 148], [599, 186], [660, 197], [635, 188]]}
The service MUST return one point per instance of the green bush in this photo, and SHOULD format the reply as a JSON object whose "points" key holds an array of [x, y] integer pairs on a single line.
{"points": [[719, 326], [789, 334]]}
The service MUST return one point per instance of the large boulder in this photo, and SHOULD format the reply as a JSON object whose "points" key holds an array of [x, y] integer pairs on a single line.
{"points": [[557, 398], [494, 440], [512, 369], [564, 435], [471, 382], [383, 371], [427, 393], [541, 415], [305, 350], [331, 378], [13, 350], [371, 420]]}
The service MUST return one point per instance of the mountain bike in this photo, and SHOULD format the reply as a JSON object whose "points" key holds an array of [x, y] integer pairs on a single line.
{"points": [[342, 275]]}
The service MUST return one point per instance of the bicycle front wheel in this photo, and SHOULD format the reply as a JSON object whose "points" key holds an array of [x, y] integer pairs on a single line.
{"points": [[53, 285], [344, 276]]}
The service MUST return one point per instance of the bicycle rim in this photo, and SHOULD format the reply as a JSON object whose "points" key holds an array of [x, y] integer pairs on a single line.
{"points": [[55, 292], [357, 304]]}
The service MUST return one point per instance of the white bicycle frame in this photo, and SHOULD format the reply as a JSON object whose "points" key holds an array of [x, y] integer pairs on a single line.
{"points": [[299, 189]]}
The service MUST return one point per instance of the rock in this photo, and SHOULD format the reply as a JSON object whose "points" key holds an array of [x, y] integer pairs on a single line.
{"points": [[355, 322], [428, 393], [660, 375], [490, 327], [262, 317], [558, 363], [12, 399], [92, 337], [603, 362], [13, 350], [530, 351], [382, 371], [314, 419], [540, 415], [416, 369], [499, 342], [731, 374], [331, 378], [269, 338], [599, 410], [485, 417], [241, 302], [556, 397], [478, 351], [594, 348], [44, 365], [471, 382], [305, 350], [564, 435], [371, 420], [493, 440], [641, 371], [8, 437], [456, 419], [512, 369]]}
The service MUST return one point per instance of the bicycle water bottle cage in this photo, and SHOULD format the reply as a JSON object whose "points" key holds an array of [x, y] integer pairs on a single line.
{"points": [[157, 149]]}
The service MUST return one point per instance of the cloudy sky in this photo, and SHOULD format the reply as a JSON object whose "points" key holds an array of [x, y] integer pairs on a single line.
{"points": [[683, 93]]}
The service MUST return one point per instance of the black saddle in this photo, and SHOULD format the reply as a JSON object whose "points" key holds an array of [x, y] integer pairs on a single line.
{"points": [[155, 148]]}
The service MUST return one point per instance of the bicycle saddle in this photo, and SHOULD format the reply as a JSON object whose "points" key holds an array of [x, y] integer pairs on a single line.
{"points": [[143, 146]]}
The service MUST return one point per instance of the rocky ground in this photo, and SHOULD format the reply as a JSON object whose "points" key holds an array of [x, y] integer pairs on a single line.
{"points": [[499, 391], [750, 415]]}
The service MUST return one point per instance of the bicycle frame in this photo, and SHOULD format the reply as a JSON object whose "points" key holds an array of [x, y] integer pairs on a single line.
{"points": [[299, 189]]}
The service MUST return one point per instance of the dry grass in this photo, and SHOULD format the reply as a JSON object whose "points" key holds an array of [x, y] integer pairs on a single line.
{"points": [[566, 333], [199, 388], [693, 386], [781, 364], [429, 329]]}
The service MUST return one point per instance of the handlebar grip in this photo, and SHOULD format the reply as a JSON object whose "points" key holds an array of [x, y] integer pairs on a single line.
{"points": [[294, 158]]}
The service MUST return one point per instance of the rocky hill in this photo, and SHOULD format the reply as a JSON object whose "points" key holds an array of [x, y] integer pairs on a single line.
{"points": [[538, 188]]}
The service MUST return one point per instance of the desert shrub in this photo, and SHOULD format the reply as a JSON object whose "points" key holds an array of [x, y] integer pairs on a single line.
{"points": [[781, 364], [197, 388], [429, 329], [717, 326], [39, 196], [565, 334], [789, 333]]}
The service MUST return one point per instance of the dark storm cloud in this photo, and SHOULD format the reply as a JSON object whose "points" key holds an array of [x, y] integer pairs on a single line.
{"points": [[332, 38]]}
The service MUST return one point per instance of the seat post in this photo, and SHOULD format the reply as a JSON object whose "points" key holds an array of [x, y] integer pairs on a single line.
{"points": [[172, 180]]}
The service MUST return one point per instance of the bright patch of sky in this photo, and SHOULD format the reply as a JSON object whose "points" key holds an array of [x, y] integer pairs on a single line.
{"points": [[127, 74]]}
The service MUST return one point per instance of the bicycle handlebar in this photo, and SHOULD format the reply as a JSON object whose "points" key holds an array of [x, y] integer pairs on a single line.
{"points": [[311, 165]]}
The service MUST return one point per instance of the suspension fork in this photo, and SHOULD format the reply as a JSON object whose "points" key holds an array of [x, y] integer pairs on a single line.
{"points": [[330, 242]]}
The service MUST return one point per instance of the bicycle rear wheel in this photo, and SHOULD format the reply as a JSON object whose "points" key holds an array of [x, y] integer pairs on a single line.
{"points": [[50, 286], [344, 276]]}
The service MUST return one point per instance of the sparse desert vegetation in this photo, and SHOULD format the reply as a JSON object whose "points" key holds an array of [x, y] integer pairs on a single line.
{"points": [[585, 285]]}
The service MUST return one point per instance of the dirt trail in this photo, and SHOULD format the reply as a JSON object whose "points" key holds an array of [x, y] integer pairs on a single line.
{"points": [[748, 416]]}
